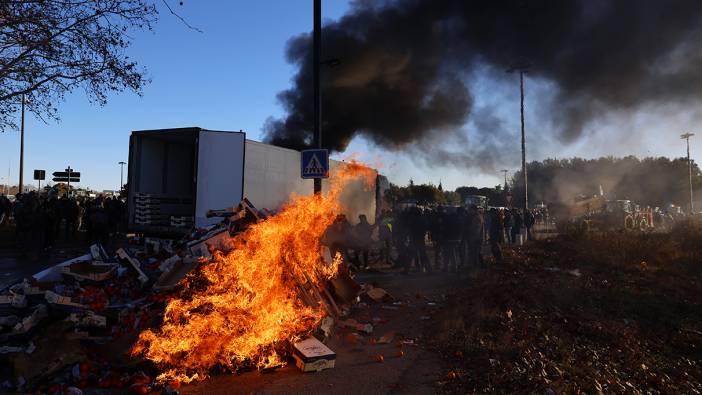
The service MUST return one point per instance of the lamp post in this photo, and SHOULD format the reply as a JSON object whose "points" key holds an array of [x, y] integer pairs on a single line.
{"points": [[21, 165], [686, 137], [505, 173], [121, 173], [522, 67]]}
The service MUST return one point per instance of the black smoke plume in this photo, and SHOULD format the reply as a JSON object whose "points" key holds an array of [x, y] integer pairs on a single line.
{"points": [[405, 68]]}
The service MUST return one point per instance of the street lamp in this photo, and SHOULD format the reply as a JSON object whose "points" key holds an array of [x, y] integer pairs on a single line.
{"points": [[505, 172], [686, 137], [121, 175], [21, 165], [522, 67]]}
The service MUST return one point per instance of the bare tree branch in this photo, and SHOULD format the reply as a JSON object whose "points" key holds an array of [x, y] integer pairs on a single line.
{"points": [[48, 48], [181, 18]]}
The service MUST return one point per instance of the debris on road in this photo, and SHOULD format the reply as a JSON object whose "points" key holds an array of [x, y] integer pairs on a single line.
{"points": [[70, 326], [378, 294], [355, 325], [311, 355]]}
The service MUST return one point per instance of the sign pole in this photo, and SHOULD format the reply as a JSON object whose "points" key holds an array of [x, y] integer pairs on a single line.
{"points": [[317, 45]]}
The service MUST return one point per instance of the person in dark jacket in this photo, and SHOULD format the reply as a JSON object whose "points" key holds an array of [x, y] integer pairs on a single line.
{"points": [[507, 223], [336, 237], [51, 216], [452, 242], [517, 223], [417, 233], [385, 235], [437, 232], [473, 236], [363, 232], [5, 206], [99, 223], [495, 233], [529, 221]]}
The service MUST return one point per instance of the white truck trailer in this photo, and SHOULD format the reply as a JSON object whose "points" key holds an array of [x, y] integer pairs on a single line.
{"points": [[176, 175]]}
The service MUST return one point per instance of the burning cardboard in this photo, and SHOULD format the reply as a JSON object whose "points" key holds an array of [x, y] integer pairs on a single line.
{"points": [[213, 239], [267, 286], [173, 273]]}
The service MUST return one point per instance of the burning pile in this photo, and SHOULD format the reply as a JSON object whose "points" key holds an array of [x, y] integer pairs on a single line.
{"points": [[245, 306]]}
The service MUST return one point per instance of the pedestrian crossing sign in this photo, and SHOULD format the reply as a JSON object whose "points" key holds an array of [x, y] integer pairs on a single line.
{"points": [[315, 163]]}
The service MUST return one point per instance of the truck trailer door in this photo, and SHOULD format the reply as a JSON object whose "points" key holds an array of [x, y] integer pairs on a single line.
{"points": [[220, 173]]}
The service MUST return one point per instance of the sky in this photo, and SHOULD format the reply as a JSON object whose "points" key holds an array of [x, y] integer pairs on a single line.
{"points": [[227, 78]]}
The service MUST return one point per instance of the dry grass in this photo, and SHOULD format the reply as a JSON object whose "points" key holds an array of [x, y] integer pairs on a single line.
{"points": [[631, 321]]}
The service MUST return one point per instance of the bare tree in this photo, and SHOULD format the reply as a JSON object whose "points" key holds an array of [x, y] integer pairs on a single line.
{"points": [[51, 47]]}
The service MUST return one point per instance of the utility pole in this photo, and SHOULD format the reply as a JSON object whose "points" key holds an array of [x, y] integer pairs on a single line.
{"points": [[522, 67], [686, 137], [21, 166], [524, 169], [316, 65], [505, 172], [69, 171], [121, 172]]}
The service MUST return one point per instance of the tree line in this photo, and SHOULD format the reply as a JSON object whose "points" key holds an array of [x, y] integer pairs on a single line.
{"points": [[653, 181]]}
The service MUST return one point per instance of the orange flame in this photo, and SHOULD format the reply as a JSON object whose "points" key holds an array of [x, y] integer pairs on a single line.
{"points": [[249, 309]]}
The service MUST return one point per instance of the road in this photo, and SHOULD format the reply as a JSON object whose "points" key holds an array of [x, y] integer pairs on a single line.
{"points": [[357, 370], [14, 267]]}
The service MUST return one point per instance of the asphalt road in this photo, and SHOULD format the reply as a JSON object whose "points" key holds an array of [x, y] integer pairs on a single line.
{"points": [[357, 370], [15, 266]]}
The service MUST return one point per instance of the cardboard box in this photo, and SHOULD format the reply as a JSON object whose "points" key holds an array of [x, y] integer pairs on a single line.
{"points": [[124, 256], [311, 355], [63, 302], [10, 302], [98, 253], [88, 272], [213, 238]]}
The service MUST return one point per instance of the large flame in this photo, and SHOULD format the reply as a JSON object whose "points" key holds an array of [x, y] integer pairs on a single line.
{"points": [[248, 308]]}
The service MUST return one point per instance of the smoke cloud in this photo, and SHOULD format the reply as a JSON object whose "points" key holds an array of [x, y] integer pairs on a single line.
{"points": [[405, 70]]}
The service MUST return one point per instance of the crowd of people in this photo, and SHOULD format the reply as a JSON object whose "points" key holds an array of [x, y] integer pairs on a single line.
{"points": [[400, 237], [457, 236], [41, 220]]}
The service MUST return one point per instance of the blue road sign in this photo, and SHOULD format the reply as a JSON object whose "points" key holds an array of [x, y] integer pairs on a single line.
{"points": [[315, 163]]}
